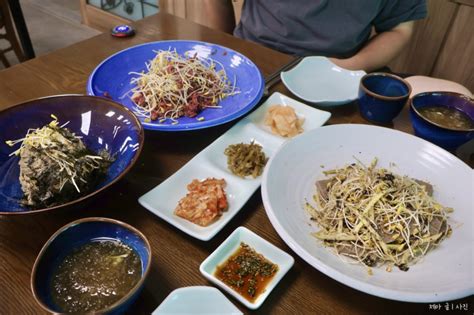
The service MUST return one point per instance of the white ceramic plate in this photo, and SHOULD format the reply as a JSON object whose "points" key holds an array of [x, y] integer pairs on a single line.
{"points": [[261, 246], [318, 80], [211, 162], [198, 300], [446, 273], [420, 84]]}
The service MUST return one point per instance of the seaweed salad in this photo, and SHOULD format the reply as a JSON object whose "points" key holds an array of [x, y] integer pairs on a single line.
{"points": [[56, 166]]}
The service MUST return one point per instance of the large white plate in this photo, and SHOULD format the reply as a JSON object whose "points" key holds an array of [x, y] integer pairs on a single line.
{"points": [[444, 274], [211, 162]]}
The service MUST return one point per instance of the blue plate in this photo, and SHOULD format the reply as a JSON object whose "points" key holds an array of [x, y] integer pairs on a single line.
{"points": [[112, 77], [102, 123]]}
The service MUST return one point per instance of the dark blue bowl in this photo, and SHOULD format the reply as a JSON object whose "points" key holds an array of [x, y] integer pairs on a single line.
{"points": [[76, 234], [444, 137], [382, 96], [101, 122], [112, 76]]}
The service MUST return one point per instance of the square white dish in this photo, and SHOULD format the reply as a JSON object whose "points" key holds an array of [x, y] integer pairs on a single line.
{"points": [[197, 300], [261, 246], [211, 162]]}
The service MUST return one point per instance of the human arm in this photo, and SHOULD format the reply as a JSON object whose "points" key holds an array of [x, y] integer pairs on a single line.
{"points": [[379, 50]]}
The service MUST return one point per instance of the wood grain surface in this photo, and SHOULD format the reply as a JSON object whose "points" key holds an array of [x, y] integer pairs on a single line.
{"points": [[459, 45], [176, 256], [424, 47]]}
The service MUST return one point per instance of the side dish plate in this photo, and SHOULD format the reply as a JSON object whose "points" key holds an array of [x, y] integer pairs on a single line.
{"points": [[197, 300], [261, 246], [317, 80], [211, 162]]}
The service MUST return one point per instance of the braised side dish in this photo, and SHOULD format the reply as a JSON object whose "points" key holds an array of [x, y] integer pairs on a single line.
{"points": [[56, 166], [246, 159], [377, 217], [95, 276], [174, 86], [247, 272], [204, 203], [283, 121]]}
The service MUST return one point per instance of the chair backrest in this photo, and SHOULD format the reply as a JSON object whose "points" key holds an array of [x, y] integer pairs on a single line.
{"points": [[191, 10], [6, 22]]}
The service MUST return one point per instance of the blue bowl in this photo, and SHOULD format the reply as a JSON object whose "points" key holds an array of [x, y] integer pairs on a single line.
{"points": [[382, 96], [444, 137], [101, 122], [76, 234], [112, 76]]}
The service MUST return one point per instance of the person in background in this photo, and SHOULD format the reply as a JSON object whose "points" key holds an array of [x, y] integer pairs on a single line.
{"points": [[356, 34]]}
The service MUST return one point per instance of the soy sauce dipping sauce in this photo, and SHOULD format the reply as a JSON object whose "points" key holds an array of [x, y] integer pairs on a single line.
{"points": [[447, 117], [247, 272], [95, 276]]}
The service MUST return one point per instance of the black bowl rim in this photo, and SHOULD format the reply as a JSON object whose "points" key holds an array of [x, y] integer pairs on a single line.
{"points": [[95, 192], [85, 220], [386, 74], [412, 106]]}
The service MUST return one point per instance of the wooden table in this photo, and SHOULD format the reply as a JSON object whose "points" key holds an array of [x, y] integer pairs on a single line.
{"points": [[176, 256]]}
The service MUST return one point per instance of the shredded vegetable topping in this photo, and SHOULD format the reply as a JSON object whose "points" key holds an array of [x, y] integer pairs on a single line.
{"points": [[52, 158], [377, 217], [174, 86]]}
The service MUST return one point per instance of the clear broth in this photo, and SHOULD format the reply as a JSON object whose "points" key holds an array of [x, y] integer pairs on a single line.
{"points": [[447, 117], [95, 276]]}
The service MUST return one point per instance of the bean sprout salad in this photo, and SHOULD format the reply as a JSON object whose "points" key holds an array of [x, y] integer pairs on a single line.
{"points": [[174, 86], [377, 217]]}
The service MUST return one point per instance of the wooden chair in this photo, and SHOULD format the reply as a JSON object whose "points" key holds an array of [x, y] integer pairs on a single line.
{"points": [[6, 24], [192, 10]]}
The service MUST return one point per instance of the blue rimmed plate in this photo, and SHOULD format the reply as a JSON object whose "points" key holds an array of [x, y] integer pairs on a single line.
{"points": [[112, 77]]}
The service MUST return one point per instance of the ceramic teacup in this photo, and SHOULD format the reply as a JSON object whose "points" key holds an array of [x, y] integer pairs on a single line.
{"points": [[382, 96]]}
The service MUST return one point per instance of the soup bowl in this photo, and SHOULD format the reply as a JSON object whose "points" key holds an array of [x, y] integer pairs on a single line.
{"points": [[443, 136], [78, 233], [101, 123]]}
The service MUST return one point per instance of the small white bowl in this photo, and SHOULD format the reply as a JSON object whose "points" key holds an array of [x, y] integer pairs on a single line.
{"points": [[261, 246], [197, 300], [318, 80]]}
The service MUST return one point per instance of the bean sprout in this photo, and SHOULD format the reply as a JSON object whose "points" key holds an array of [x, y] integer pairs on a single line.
{"points": [[174, 86], [377, 217]]}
